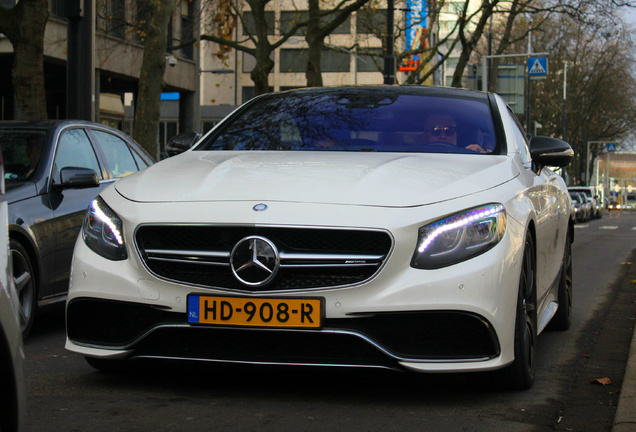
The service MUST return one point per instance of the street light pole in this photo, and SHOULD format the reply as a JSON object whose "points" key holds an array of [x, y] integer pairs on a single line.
{"points": [[389, 59], [565, 86], [587, 159], [196, 127]]}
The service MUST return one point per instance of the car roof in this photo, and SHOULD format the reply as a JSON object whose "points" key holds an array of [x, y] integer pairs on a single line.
{"points": [[393, 90], [45, 124]]}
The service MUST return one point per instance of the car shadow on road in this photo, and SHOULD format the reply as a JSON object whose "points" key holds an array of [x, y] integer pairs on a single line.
{"points": [[293, 383]]}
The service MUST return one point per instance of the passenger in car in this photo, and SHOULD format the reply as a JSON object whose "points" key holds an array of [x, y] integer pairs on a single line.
{"points": [[442, 129]]}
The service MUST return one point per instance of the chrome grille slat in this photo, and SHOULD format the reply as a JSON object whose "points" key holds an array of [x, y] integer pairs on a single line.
{"points": [[194, 253], [189, 261]]}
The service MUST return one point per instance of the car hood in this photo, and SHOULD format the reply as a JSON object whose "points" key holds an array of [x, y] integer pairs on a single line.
{"points": [[372, 179]]}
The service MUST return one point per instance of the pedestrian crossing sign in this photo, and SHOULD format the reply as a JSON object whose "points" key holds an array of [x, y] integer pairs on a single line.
{"points": [[537, 67]]}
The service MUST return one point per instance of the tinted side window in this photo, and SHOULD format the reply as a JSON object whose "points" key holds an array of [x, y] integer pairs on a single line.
{"points": [[75, 150], [118, 155]]}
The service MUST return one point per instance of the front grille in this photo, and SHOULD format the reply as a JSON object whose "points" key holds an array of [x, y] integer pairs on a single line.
{"points": [[309, 258], [372, 339]]}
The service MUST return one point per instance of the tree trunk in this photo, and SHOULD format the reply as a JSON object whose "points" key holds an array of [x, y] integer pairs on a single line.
{"points": [[24, 25], [317, 30], [504, 43], [469, 45], [153, 66], [315, 42], [264, 65]]}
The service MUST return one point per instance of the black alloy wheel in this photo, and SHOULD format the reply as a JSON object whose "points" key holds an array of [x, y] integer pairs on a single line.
{"points": [[520, 374], [24, 279], [563, 317]]}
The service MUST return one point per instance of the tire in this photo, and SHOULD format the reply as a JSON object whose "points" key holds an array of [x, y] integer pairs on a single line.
{"points": [[25, 280], [563, 317], [520, 374]]}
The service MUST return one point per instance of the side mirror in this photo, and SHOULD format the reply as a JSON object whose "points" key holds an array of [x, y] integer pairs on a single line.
{"points": [[180, 143], [77, 178], [547, 151]]}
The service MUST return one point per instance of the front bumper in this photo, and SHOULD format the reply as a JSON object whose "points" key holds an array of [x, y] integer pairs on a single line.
{"points": [[379, 340], [457, 318]]}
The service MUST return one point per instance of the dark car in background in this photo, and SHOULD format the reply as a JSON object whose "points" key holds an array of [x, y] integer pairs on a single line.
{"points": [[53, 170]]}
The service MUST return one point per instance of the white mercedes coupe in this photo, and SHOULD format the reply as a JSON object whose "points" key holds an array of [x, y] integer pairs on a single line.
{"points": [[402, 227]]}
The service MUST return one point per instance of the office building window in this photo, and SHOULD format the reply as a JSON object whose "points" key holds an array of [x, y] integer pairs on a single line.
{"points": [[111, 17], [369, 21], [293, 60], [335, 61], [143, 17], [247, 93], [288, 19], [250, 25], [370, 62], [187, 28], [249, 62], [344, 28]]}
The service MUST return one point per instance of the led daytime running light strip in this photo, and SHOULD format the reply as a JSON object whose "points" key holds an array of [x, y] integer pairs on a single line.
{"points": [[105, 219], [468, 218]]}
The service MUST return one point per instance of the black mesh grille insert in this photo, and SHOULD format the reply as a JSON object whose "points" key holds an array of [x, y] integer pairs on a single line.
{"points": [[200, 255]]}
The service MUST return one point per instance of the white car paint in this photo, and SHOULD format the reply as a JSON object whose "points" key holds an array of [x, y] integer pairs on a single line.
{"points": [[393, 192]]}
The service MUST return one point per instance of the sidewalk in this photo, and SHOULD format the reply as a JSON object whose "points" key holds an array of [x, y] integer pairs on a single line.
{"points": [[625, 418]]}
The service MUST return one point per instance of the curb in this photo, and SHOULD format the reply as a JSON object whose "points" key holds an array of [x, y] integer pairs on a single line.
{"points": [[625, 418]]}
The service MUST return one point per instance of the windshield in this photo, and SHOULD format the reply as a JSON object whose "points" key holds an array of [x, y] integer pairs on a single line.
{"points": [[381, 121], [21, 149]]}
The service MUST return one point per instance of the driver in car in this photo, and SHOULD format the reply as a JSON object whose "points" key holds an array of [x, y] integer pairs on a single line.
{"points": [[442, 129]]}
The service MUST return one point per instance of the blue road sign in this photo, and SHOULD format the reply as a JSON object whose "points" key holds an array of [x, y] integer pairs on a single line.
{"points": [[611, 147], [537, 67]]}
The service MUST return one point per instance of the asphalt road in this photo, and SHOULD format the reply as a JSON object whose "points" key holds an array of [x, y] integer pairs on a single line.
{"points": [[65, 394]]}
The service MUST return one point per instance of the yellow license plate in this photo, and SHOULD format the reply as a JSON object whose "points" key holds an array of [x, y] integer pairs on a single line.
{"points": [[256, 312]]}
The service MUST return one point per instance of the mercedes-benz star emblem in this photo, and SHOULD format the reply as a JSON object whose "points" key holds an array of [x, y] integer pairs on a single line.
{"points": [[255, 261]]}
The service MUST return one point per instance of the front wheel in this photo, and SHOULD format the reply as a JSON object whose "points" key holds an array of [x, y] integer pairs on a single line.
{"points": [[520, 374], [563, 317], [24, 279]]}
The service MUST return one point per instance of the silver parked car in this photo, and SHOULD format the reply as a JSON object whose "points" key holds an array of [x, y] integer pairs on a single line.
{"points": [[590, 194], [582, 207]]}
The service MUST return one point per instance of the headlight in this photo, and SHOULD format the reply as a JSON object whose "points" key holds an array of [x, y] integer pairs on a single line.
{"points": [[459, 237], [102, 231]]}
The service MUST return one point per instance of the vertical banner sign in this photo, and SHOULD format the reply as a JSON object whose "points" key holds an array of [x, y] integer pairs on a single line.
{"points": [[415, 22], [415, 32]]}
